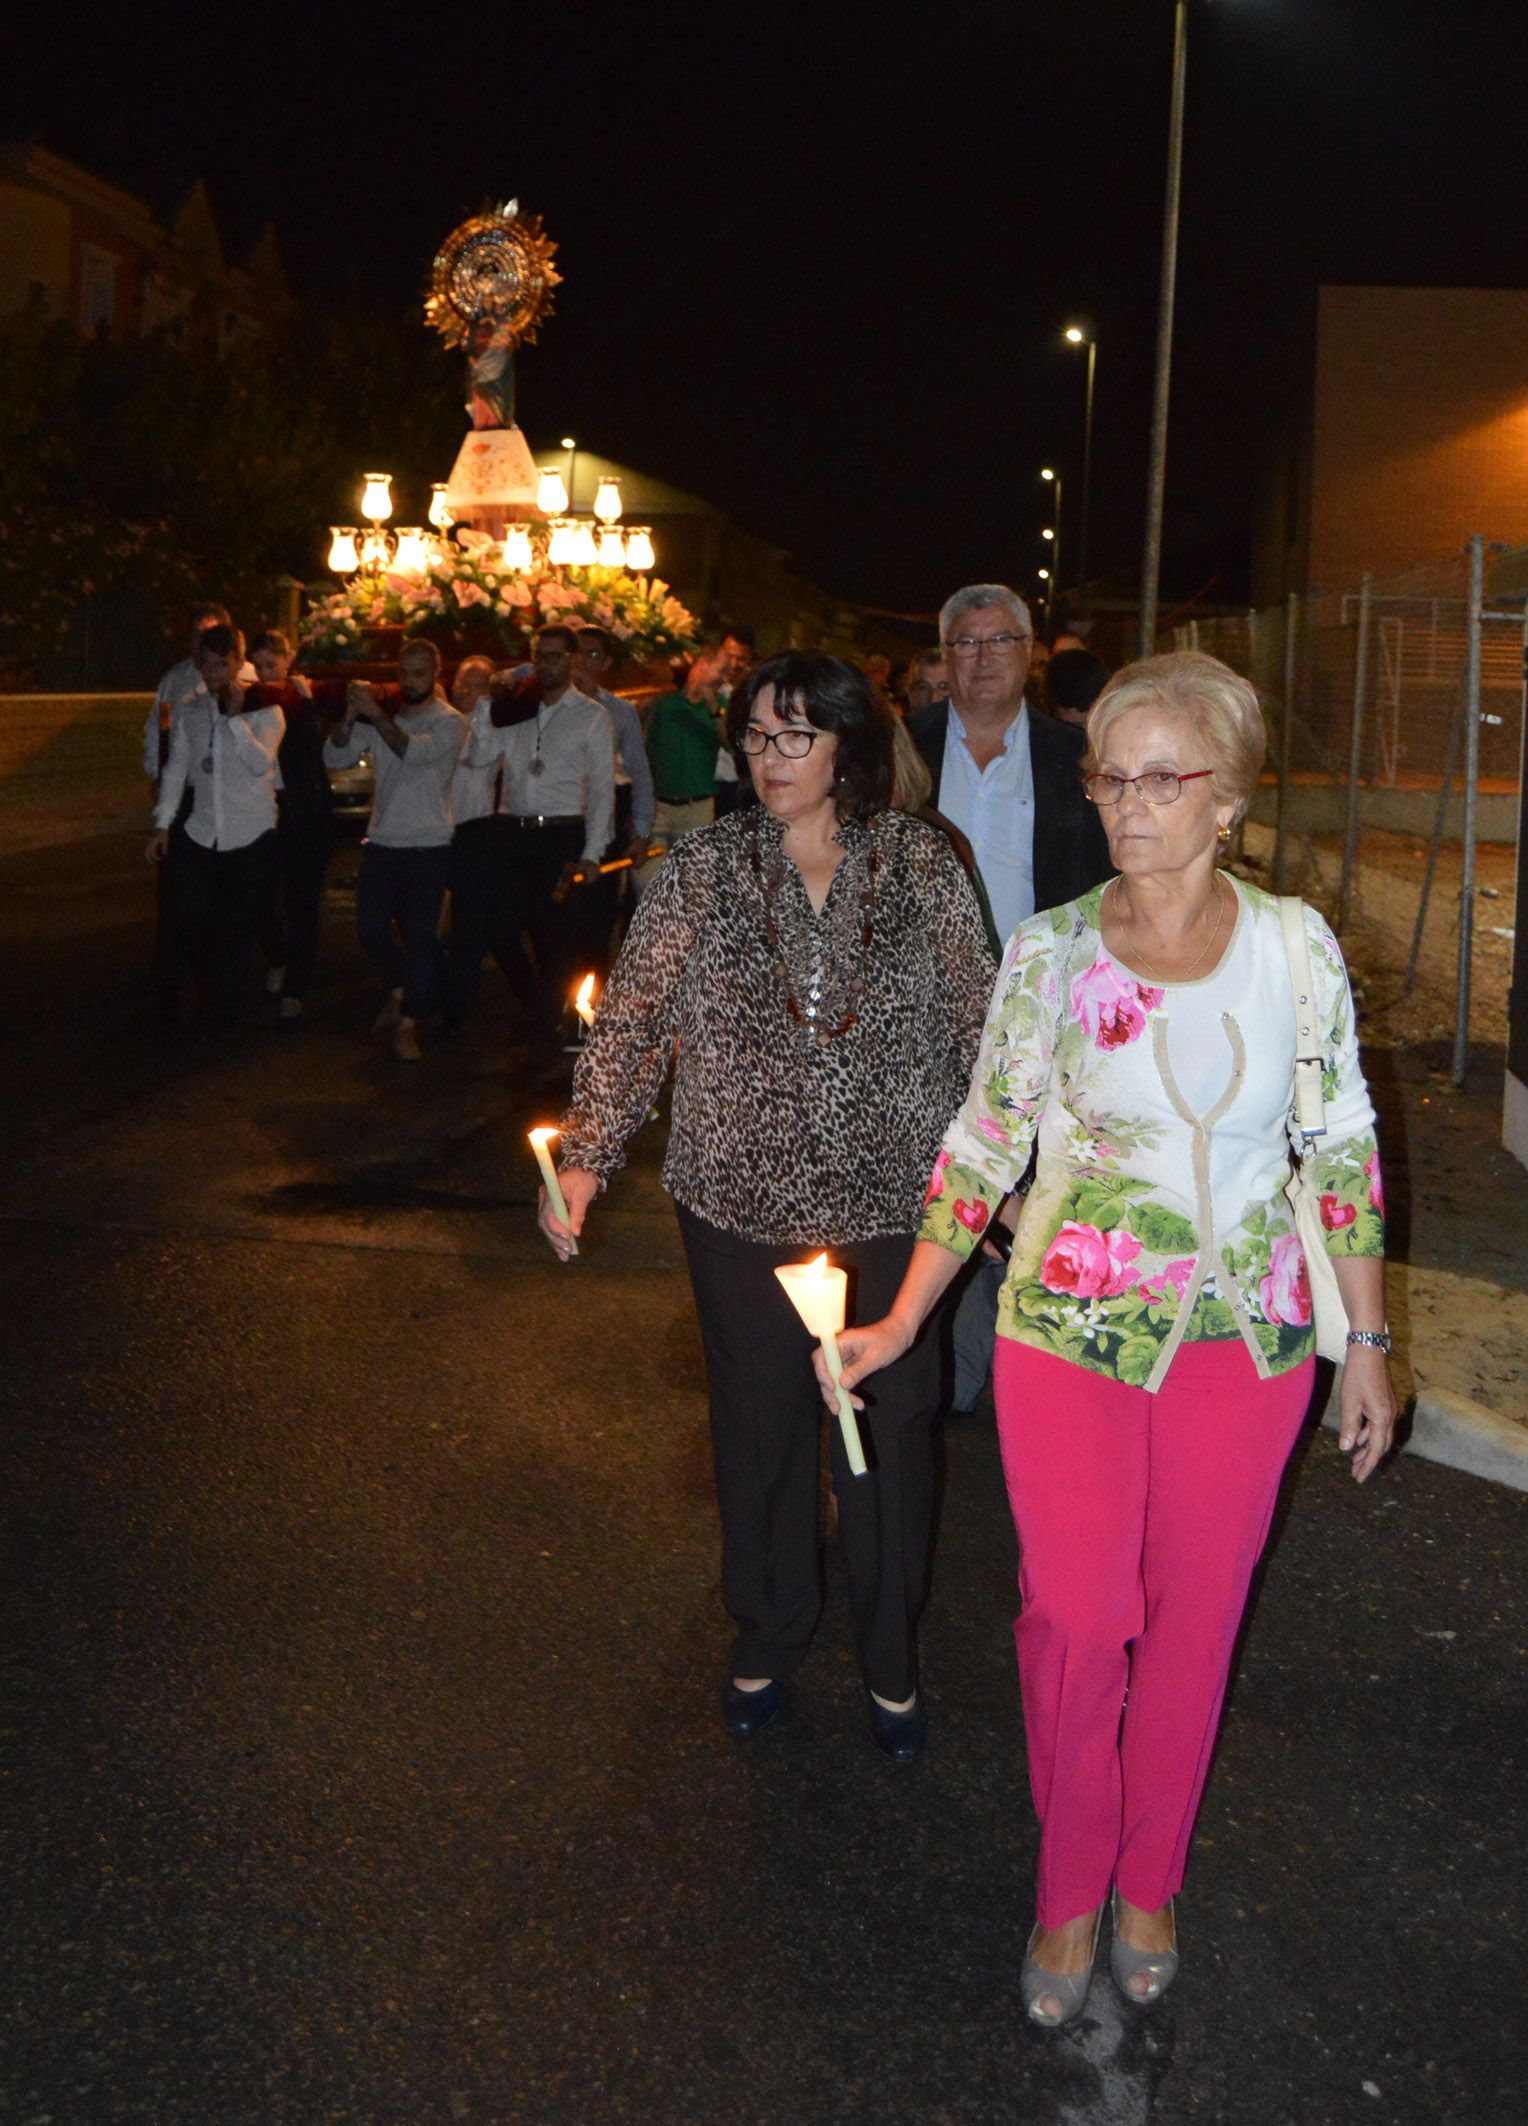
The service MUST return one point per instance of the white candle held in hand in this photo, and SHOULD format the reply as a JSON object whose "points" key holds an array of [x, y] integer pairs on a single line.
{"points": [[540, 1139], [818, 1291]]}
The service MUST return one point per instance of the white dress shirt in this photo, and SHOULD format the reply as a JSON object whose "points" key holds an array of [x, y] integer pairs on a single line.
{"points": [[574, 743], [472, 789], [994, 807], [632, 765], [411, 806], [230, 764], [179, 686]]}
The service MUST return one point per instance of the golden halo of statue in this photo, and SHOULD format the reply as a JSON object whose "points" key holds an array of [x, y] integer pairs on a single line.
{"points": [[494, 270]]}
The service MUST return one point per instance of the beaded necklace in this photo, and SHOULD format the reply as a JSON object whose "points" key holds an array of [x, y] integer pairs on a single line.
{"points": [[810, 1016]]}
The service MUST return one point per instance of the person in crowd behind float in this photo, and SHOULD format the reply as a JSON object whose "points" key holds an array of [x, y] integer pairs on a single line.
{"points": [[926, 684], [593, 661], [305, 829], [820, 961], [683, 738], [413, 738], [1155, 1346], [474, 869], [1074, 679], [737, 654], [877, 669], [555, 752], [223, 747], [1010, 780]]}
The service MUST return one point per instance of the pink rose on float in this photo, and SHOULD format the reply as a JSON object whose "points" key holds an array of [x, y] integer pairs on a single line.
{"points": [[1111, 1008], [1335, 1214], [1285, 1289], [1092, 1264], [973, 1216], [1376, 1186], [936, 1179]]}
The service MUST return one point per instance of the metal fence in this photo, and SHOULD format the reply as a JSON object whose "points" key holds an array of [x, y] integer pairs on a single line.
{"points": [[1399, 704]]}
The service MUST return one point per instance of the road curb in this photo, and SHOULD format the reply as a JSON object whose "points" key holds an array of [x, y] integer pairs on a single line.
{"points": [[1446, 1427]]}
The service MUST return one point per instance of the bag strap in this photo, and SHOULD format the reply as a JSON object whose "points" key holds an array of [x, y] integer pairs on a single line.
{"points": [[1310, 1106]]}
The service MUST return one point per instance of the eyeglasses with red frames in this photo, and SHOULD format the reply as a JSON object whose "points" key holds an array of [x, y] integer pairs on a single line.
{"points": [[1158, 786]]}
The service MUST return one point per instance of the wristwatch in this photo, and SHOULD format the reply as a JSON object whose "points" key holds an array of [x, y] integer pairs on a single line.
{"points": [[1371, 1339]]}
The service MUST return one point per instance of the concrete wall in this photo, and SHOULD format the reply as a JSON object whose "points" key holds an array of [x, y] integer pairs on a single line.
{"points": [[1421, 427], [71, 765]]}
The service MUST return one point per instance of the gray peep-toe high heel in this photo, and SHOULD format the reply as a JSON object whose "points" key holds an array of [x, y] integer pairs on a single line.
{"points": [[1069, 1988], [1159, 1966]]}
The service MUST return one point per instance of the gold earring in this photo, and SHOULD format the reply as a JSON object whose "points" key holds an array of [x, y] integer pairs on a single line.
{"points": [[1223, 832]]}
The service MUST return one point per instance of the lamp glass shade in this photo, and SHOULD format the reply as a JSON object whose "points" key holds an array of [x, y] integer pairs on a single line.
{"points": [[377, 497], [817, 1290], [607, 503], [612, 548], [560, 545], [376, 552], [413, 554], [585, 552], [551, 492], [440, 508], [517, 547], [639, 547], [343, 557]]}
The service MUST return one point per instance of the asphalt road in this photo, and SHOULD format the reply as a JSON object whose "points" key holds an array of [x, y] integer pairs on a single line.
{"points": [[359, 1749]]}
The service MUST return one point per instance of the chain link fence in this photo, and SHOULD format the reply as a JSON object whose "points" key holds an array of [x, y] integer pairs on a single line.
{"points": [[1395, 706]]}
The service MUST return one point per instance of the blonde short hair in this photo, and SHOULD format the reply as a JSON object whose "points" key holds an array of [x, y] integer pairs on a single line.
{"points": [[1222, 705], [911, 783]]}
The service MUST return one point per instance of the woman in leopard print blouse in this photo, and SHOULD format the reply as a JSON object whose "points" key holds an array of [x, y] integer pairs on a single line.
{"points": [[821, 962]]}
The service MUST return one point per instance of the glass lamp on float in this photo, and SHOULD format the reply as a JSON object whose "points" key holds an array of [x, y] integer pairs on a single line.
{"points": [[377, 497], [607, 503], [612, 548], [344, 553], [440, 508], [639, 547], [412, 555], [517, 548], [551, 492]]}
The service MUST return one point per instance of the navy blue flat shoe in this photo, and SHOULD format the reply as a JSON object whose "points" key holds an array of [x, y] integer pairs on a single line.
{"points": [[903, 1736], [746, 1711]]}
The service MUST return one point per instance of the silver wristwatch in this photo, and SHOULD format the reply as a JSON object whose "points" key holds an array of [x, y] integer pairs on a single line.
{"points": [[1371, 1339]]}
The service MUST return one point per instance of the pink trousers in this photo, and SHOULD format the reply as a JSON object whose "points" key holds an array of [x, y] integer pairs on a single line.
{"points": [[1140, 1518]]}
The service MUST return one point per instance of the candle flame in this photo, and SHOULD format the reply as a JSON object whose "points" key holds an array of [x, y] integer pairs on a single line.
{"points": [[820, 1262], [583, 1003], [543, 1136]]}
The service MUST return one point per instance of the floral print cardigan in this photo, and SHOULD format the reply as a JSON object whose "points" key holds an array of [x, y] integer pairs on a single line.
{"points": [[1125, 1248]]}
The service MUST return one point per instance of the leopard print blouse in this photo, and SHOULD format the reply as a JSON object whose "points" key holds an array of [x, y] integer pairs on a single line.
{"points": [[778, 1135]]}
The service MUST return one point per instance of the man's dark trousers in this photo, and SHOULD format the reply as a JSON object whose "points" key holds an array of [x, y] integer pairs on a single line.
{"points": [[398, 895]]}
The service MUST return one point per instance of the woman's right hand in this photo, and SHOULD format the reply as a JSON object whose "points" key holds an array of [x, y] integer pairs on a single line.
{"points": [[861, 1353], [579, 1188]]}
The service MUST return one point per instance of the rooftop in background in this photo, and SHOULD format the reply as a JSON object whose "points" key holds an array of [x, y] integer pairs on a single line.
{"points": [[76, 247]]}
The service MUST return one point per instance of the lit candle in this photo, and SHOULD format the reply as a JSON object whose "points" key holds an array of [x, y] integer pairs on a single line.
{"points": [[540, 1139], [818, 1291], [583, 1003]]}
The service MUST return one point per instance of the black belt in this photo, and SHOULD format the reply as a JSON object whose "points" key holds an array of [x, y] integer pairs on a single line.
{"points": [[543, 819], [686, 800]]}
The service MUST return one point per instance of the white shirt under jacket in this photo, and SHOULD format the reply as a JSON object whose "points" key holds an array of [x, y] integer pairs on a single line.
{"points": [[577, 754], [411, 805], [994, 807], [229, 763]]}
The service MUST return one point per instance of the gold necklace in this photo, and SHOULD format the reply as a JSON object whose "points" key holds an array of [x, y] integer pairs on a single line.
{"points": [[1220, 916]]}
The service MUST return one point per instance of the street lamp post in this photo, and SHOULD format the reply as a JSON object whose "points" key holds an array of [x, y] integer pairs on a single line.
{"points": [[1053, 577], [1084, 336], [1156, 480]]}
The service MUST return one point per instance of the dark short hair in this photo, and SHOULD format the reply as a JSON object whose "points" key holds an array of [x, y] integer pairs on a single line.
{"points": [[210, 615], [740, 633], [601, 636], [835, 696], [272, 639], [422, 642], [223, 640], [565, 634], [1074, 679]]}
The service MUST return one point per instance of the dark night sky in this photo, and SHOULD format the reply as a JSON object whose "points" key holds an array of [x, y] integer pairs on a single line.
{"points": [[817, 264]]}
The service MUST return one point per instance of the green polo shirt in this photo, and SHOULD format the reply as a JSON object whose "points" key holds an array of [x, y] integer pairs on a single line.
{"points": [[683, 740]]}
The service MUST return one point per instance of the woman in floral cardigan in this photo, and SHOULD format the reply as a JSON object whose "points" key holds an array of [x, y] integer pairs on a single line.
{"points": [[1155, 1339]]}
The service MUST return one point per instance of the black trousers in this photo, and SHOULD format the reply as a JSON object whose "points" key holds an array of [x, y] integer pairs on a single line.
{"points": [[293, 914], [475, 853], [766, 1418], [213, 903], [529, 861]]}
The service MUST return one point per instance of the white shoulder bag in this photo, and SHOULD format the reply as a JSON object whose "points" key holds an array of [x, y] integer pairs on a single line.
{"points": [[1310, 1119]]}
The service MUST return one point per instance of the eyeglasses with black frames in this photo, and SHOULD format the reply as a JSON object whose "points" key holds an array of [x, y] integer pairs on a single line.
{"points": [[973, 645], [1158, 786], [792, 743]]}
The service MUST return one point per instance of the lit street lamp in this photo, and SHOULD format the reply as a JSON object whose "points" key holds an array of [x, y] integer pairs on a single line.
{"points": [[1084, 336], [1051, 576]]}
